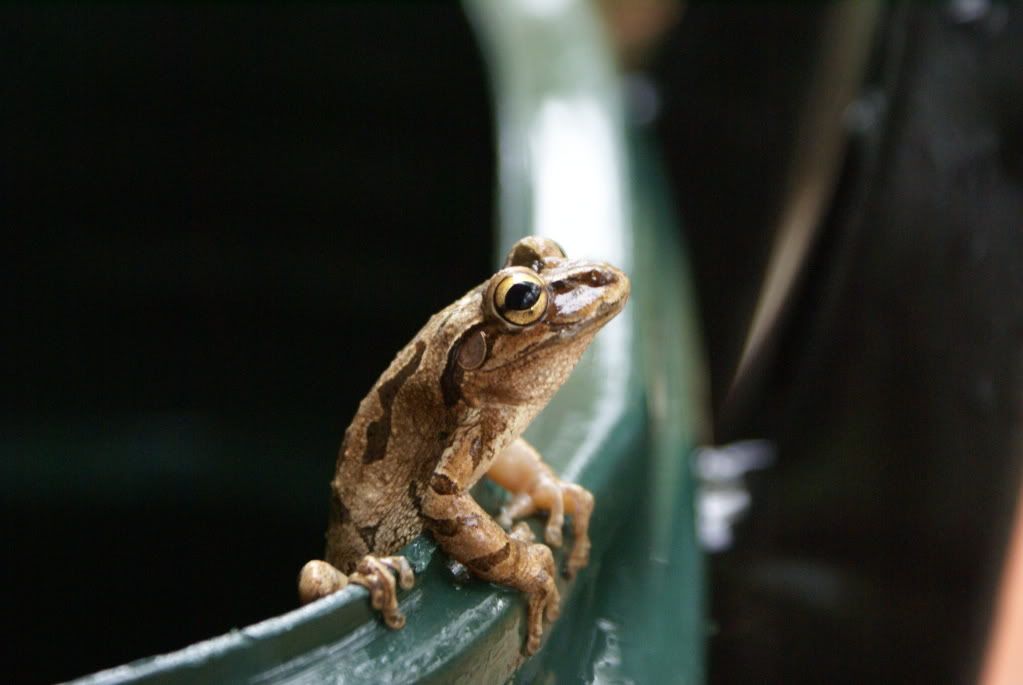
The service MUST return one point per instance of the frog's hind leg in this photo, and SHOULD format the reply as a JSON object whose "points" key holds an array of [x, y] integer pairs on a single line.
{"points": [[470, 536], [520, 469], [376, 574]]}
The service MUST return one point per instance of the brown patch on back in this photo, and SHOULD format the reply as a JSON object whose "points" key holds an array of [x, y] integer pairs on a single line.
{"points": [[369, 535], [339, 512], [379, 430], [417, 501]]}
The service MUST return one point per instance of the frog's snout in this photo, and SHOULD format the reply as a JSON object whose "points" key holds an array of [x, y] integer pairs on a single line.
{"points": [[588, 295], [615, 283]]}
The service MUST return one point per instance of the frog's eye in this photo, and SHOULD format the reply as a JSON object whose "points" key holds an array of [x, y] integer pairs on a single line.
{"points": [[531, 252], [519, 298]]}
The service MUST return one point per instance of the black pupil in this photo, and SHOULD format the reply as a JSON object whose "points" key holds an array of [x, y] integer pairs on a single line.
{"points": [[522, 296]]}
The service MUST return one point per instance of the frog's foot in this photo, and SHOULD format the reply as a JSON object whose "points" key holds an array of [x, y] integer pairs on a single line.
{"points": [[579, 504], [546, 495], [541, 592], [469, 535], [376, 574], [318, 579], [519, 469]]}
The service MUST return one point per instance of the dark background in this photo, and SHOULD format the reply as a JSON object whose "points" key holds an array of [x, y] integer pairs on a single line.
{"points": [[222, 222], [221, 225], [874, 544]]}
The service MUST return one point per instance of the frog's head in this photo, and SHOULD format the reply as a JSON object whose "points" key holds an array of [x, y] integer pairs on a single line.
{"points": [[539, 314]]}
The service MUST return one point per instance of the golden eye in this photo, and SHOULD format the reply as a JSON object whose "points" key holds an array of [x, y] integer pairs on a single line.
{"points": [[531, 252], [519, 298]]}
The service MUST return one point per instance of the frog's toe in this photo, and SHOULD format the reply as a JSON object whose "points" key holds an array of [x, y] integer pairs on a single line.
{"points": [[545, 604], [553, 536], [377, 576], [400, 565], [578, 560], [544, 598], [318, 579]]}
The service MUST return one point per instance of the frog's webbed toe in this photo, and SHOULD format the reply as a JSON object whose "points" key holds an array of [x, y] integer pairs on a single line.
{"points": [[376, 574]]}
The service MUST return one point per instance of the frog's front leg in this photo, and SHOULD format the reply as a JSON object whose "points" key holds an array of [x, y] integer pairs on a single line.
{"points": [[319, 579], [470, 536], [520, 470]]}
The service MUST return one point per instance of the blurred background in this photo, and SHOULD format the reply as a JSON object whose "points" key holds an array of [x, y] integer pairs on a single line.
{"points": [[222, 221]]}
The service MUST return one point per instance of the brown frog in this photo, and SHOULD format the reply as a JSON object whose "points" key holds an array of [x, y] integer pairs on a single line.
{"points": [[449, 410]]}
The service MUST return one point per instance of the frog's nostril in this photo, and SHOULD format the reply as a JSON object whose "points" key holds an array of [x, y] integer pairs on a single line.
{"points": [[593, 278], [601, 277]]}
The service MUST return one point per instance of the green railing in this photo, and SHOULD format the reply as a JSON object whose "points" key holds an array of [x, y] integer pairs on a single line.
{"points": [[623, 426]]}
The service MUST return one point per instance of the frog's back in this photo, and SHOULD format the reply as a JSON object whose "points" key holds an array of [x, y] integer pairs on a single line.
{"points": [[392, 445]]}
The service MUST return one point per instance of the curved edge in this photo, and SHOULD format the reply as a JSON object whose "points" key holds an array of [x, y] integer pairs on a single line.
{"points": [[593, 425]]}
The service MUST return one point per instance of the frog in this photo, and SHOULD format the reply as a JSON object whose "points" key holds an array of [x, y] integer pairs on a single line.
{"points": [[450, 410]]}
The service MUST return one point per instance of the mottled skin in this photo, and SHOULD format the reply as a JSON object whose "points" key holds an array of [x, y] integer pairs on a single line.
{"points": [[441, 416]]}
